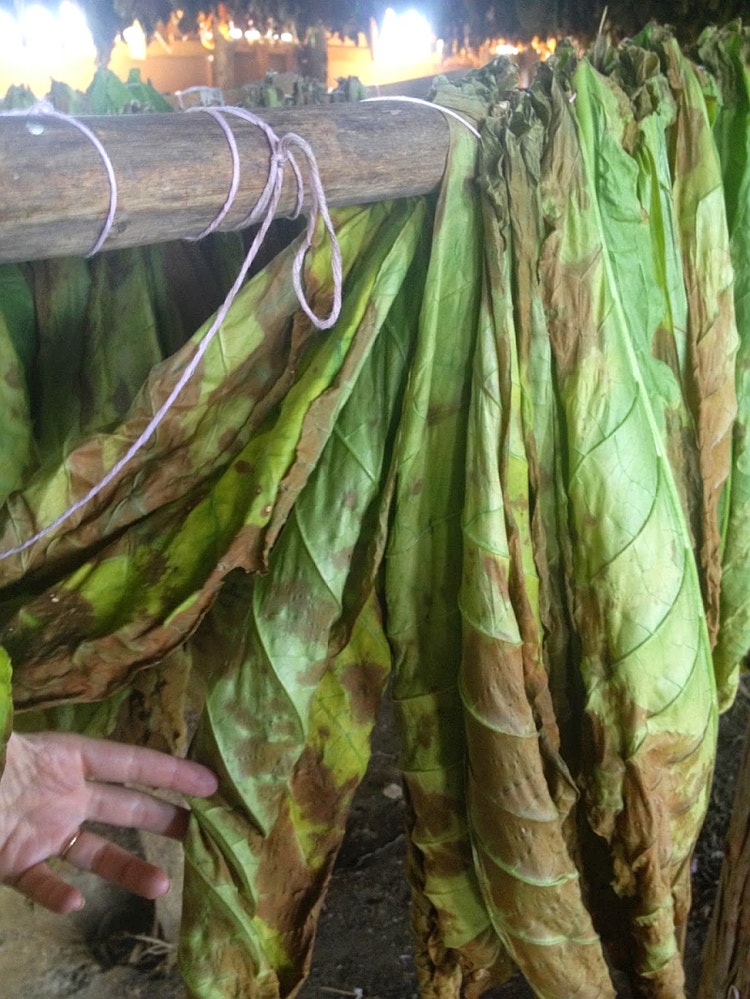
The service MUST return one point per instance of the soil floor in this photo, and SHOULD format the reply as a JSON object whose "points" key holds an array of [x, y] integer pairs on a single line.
{"points": [[363, 950]]}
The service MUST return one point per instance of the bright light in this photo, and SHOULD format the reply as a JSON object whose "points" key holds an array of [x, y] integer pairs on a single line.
{"points": [[74, 31], [40, 30], [252, 35], [235, 33], [544, 49], [286, 36], [42, 43], [135, 38], [505, 48], [10, 34], [43, 33], [404, 38]]}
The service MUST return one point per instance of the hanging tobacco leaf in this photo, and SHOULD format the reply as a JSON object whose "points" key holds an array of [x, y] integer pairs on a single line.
{"points": [[726, 53], [274, 641], [711, 333], [191, 506], [513, 446], [650, 715], [458, 951], [519, 791], [17, 343]]}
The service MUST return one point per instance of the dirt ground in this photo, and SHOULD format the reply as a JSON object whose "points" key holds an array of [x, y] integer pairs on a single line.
{"points": [[364, 947]]}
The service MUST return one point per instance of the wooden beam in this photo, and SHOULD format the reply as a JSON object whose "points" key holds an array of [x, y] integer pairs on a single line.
{"points": [[173, 171]]}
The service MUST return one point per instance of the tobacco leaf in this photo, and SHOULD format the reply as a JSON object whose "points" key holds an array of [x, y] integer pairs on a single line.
{"points": [[457, 949], [725, 52], [531, 418], [650, 718], [17, 345], [155, 297], [192, 505], [519, 791], [119, 315], [711, 332], [276, 645], [61, 289], [634, 114], [513, 155]]}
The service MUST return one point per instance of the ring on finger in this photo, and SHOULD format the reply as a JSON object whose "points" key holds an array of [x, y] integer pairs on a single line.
{"points": [[70, 844]]}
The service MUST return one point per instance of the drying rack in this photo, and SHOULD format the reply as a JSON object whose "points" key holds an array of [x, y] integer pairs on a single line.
{"points": [[173, 171]]}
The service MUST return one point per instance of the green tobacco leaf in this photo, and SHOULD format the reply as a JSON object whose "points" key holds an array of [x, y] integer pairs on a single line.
{"points": [[278, 914], [17, 308], [634, 191], [17, 345], [312, 820], [18, 97], [107, 94], [188, 282], [131, 309], [144, 95], [61, 293], [727, 53], [530, 881], [120, 336], [199, 499], [457, 948], [711, 332], [513, 167], [645, 653], [275, 638]]}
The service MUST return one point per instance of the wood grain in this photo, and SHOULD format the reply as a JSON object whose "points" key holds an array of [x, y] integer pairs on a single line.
{"points": [[174, 170]]}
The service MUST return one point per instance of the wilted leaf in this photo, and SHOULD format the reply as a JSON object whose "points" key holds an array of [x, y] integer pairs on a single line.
{"points": [[636, 602], [726, 52], [456, 944], [275, 639]]}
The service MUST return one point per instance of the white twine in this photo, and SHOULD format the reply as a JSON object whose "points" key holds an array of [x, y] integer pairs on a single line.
{"points": [[43, 109], [235, 153], [428, 104], [282, 152]]}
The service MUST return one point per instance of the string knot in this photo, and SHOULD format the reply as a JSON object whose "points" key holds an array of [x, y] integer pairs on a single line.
{"points": [[283, 153]]}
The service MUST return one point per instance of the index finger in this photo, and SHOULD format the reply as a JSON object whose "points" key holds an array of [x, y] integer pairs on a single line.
{"points": [[119, 763]]}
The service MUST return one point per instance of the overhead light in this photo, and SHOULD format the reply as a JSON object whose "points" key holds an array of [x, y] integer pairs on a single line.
{"points": [[404, 38], [135, 38]]}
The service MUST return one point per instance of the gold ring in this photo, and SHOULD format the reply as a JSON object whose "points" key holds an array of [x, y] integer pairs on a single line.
{"points": [[70, 844]]}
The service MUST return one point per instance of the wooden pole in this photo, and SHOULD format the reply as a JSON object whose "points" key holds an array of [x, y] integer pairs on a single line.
{"points": [[174, 170]]}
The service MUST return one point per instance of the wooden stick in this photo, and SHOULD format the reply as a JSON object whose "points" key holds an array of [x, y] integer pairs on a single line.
{"points": [[174, 170]]}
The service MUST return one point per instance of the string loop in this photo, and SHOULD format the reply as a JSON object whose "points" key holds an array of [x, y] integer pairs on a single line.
{"points": [[282, 153], [428, 104], [43, 109]]}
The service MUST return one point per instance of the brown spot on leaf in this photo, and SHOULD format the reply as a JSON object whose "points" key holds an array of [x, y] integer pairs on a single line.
{"points": [[364, 683], [350, 500]]}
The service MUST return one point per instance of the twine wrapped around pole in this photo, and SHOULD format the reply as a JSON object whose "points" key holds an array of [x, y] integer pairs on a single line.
{"points": [[173, 171]]}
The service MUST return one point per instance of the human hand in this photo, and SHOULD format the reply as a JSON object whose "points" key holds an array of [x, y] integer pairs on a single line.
{"points": [[54, 782]]}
